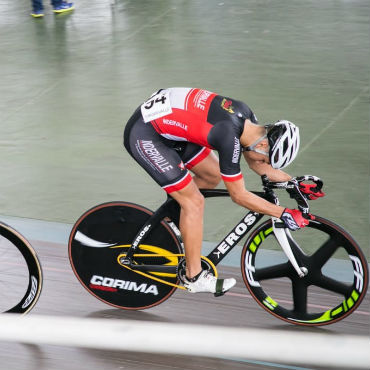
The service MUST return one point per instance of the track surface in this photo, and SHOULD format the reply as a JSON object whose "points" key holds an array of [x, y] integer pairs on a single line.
{"points": [[63, 295]]}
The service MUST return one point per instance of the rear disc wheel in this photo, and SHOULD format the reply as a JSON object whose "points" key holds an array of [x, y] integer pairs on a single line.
{"points": [[104, 233]]}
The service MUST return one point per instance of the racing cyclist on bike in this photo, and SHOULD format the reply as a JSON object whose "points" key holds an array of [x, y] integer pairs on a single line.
{"points": [[175, 131]]}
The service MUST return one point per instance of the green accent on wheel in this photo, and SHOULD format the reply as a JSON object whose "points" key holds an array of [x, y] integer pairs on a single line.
{"points": [[355, 295], [345, 306], [269, 231], [350, 302], [270, 300], [337, 311], [326, 316], [330, 314], [270, 303], [258, 239], [262, 235], [253, 247]]}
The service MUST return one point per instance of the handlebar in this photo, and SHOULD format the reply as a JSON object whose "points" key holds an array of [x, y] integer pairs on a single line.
{"points": [[292, 187], [282, 234]]}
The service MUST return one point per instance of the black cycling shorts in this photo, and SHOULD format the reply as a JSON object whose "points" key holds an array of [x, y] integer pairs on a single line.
{"points": [[166, 161]]}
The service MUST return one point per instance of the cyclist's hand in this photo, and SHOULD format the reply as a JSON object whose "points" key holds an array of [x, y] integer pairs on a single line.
{"points": [[310, 191], [294, 220]]}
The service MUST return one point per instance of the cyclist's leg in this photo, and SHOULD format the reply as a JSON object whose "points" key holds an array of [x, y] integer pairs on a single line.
{"points": [[191, 225], [204, 164]]}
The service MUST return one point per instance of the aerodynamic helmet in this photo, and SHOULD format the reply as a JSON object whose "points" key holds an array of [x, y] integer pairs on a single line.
{"points": [[283, 138]]}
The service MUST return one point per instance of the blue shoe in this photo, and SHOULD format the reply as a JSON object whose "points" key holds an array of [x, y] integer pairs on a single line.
{"points": [[37, 13], [64, 7]]}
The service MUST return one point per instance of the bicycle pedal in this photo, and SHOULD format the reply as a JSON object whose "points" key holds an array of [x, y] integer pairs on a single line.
{"points": [[219, 294]]}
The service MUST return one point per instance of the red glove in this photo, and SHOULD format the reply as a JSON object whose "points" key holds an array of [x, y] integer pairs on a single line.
{"points": [[293, 219], [308, 190]]}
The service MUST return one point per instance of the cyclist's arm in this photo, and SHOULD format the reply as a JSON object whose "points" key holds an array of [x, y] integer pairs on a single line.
{"points": [[240, 195], [262, 168]]}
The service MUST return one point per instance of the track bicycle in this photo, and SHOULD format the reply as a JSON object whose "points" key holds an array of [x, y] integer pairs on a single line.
{"points": [[133, 258], [20, 272]]}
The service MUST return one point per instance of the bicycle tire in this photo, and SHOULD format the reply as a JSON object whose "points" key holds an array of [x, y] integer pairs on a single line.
{"points": [[343, 292], [110, 229], [20, 274]]}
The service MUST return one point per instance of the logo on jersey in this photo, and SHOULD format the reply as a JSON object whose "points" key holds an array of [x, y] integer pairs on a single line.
{"points": [[227, 105], [236, 152], [150, 154], [200, 99], [175, 123], [181, 166]]}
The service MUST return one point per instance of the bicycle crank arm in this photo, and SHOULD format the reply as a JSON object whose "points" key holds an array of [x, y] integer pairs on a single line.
{"points": [[155, 268], [150, 268], [281, 236]]}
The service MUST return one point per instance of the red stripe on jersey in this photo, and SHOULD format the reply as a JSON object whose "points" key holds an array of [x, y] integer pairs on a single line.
{"points": [[178, 185], [198, 158], [231, 178]]}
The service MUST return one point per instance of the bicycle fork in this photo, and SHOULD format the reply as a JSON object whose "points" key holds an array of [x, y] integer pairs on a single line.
{"points": [[282, 234]]}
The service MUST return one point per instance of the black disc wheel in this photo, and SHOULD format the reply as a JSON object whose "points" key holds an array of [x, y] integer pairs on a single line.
{"points": [[102, 236], [20, 272], [333, 288]]}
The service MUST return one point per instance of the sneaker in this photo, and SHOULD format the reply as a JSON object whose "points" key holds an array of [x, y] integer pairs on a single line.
{"points": [[63, 7], [206, 282], [37, 13]]}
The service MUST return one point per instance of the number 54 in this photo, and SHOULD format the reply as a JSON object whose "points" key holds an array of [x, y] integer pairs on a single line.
{"points": [[149, 104]]}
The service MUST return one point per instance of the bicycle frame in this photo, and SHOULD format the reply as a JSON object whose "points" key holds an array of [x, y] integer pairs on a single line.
{"points": [[171, 209]]}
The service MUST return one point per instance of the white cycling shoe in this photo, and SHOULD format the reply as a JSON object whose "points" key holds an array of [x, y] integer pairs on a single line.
{"points": [[207, 282]]}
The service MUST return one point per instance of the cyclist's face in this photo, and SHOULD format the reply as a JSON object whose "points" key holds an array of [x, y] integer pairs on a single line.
{"points": [[251, 155], [256, 157]]}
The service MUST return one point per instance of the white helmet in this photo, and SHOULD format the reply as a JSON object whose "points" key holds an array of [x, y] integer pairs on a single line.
{"points": [[283, 137]]}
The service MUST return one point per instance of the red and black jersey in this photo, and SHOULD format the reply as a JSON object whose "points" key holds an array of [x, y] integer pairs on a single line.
{"points": [[204, 118]]}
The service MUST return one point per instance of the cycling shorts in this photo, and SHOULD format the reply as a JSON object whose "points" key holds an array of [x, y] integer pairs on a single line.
{"points": [[166, 161]]}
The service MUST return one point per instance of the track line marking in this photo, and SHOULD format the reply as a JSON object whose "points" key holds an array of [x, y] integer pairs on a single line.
{"points": [[32, 100], [147, 25], [335, 120]]}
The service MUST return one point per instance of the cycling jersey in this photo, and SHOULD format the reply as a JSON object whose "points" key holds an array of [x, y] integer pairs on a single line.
{"points": [[177, 117]]}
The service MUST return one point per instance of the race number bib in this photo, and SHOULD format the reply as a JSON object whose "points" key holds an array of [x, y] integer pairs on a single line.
{"points": [[158, 105]]}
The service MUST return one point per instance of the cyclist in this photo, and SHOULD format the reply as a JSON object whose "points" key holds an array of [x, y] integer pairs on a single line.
{"points": [[175, 131]]}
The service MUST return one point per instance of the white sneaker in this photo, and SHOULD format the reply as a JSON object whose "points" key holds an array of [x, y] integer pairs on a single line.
{"points": [[207, 282]]}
